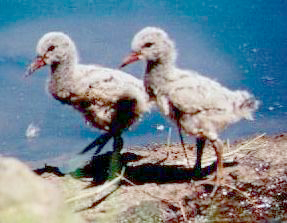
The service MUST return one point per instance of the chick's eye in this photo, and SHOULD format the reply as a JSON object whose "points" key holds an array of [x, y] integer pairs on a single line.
{"points": [[148, 44], [51, 48]]}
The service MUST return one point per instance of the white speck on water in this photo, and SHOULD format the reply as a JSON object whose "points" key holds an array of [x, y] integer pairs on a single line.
{"points": [[32, 131], [267, 78], [160, 127], [271, 108], [277, 104]]}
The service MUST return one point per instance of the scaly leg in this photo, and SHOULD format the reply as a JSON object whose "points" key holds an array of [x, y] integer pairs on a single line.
{"points": [[116, 160], [101, 141], [218, 146], [200, 143], [183, 146]]}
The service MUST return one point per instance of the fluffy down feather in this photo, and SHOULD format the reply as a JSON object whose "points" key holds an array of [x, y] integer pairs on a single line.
{"points": [[109, 99], [199, 105]]}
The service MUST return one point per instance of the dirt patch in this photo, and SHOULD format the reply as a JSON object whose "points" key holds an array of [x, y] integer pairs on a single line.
{"points": [[160, 186]]}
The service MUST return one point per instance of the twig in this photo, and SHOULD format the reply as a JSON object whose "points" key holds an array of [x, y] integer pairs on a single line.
{"points": [[214, 190], [212, 159], [182, 144], [247, 144], [231, 187], [163, 160], [228, 145], [169, 137], [183, 212], [101, 189], [239, 191]]}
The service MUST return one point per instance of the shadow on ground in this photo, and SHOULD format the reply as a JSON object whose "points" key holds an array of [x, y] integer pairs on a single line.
{"points": [[99, 169]]}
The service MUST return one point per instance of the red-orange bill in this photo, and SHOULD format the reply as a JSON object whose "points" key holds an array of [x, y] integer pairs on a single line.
{"points": [[35, 65], [132, 57]]}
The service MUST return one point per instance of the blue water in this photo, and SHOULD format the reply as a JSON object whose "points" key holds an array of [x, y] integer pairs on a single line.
{"points": [[242, 44]]}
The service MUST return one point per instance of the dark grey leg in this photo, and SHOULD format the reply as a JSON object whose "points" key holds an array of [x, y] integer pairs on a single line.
{"points": [[200, 143], [183, 146], [116, 159], [101, 141]]}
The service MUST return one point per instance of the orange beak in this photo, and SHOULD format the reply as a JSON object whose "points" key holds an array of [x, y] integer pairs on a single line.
{"points": [[132, 57], [35, 65]]}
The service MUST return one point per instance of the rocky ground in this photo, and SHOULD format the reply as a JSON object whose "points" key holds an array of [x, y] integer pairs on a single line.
{"points": [[159, 186]]}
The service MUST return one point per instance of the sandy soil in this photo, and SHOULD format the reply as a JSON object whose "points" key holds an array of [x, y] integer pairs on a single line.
{"points": [[159, 185]]}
